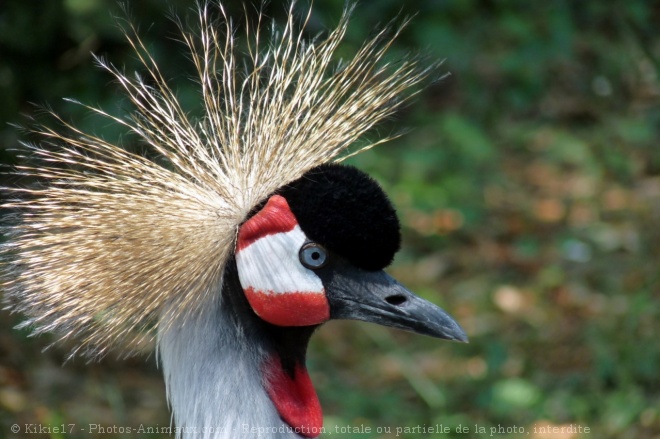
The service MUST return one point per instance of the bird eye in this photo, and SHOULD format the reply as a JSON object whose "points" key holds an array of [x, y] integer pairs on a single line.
{"points": [[313, 256]]}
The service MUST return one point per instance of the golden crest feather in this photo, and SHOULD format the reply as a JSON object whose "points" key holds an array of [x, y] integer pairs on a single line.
{"points": [[113, 244]]}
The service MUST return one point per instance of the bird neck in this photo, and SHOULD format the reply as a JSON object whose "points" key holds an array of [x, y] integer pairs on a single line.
{"points": [[229, 374]]}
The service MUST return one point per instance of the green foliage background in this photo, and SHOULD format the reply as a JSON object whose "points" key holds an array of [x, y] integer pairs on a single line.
{"points": [[528, 184]]}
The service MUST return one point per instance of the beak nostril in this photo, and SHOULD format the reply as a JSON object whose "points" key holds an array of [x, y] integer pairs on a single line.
{"points": [[397, 299]]}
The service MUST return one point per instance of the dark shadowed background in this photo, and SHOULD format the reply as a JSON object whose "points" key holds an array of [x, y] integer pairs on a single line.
{"points": [[528, 184]]}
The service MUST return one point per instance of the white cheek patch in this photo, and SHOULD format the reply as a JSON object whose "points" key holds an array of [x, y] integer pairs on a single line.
{"points": [[278, 287], [271, 265]]}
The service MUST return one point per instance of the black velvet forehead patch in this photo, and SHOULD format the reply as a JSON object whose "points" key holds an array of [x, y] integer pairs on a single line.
{"points": [[345, 210]]}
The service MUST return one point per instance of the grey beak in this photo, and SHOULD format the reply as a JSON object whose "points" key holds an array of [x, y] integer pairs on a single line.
{"points": [[374, 296]]}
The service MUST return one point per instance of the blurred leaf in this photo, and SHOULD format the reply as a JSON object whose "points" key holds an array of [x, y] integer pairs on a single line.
{"points": [[515, 393]]}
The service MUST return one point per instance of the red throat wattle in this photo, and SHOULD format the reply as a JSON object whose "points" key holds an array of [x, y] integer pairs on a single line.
{"points": [[294, 397]]}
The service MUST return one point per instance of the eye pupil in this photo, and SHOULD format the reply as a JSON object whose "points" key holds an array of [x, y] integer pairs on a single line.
{"points": [[313, 256]]}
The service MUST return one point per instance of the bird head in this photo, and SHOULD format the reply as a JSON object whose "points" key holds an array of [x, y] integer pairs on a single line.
{"points": [[314, 251]]}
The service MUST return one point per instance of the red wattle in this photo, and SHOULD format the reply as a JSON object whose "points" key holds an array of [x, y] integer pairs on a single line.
{"points": [[294, 398]]}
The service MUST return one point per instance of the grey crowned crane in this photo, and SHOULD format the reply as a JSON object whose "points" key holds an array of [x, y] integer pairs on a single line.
{"points": [[234, 245]]}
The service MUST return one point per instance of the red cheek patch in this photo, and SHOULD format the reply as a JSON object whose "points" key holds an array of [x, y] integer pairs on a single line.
{"points": [[289, 309], [275, 217]]}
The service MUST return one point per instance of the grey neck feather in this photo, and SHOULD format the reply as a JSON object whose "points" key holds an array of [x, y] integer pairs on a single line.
{"points": [[213, 379]]}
